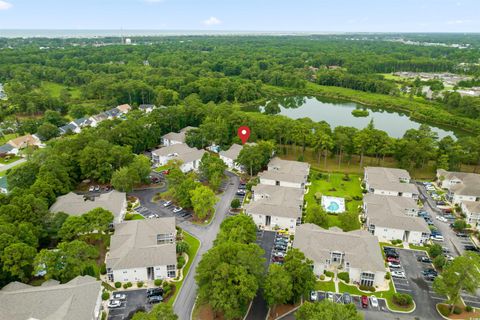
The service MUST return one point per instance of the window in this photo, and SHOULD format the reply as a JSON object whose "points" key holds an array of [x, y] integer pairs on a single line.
{"points": [[165, 238], [366, 279], [171, 271]]}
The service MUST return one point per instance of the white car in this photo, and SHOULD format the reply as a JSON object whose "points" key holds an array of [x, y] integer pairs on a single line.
{"points": [[119, 296], [398, 274], [91, 189], [440, 218], [114, 304], [168, 203], [437, 237], [330, 296], [313, 296], [374, 301], [393, 265], [177, 209]]}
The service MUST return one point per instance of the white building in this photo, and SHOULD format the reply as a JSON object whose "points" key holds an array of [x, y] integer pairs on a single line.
{"points": [[143, 250], [285, 173], [394, 218], [175, 137], [471, 209], [230, 157], [78, 299], [147, 108], [461, 186], [124, 108], [389, 182], [96, 119], [76, 204], [356, 252], [190, 157], [275, 207]]}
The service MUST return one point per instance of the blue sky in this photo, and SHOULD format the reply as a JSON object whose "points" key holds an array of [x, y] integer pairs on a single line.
{"points": [[245, 15]]}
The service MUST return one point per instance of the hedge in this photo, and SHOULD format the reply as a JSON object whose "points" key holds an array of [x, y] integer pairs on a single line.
{"points": [[344, 276]]}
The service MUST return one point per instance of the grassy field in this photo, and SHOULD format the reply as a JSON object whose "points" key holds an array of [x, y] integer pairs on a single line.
{"points": [[332, 184], [55, 89], [325, 286], [194, 244]]}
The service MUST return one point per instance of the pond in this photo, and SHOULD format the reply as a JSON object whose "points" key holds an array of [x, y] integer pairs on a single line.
{"points": [[339, 113]]}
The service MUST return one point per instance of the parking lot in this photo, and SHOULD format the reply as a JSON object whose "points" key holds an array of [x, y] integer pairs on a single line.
{"points": [[136, 300]]}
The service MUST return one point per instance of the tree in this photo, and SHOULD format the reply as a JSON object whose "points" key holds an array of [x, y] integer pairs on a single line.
{"points": [[272, 107], [322, 143], [212, 169], [182, 247], [235, 204], [17, 260], [463, 273], [203, 201], [240, 228], [48, 131], [161, 311], [183, 192], [22, 176], [301, 273], [435, 250], [122, 179], [439, 261], [278, 286], [72, 227], [316, 215], [54, 117], [141, 167], [460, 224], [327, 310], [349, 221], [98, 220]]}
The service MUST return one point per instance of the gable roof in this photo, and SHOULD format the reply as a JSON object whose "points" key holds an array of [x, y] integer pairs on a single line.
{"points": [[134, 244], [286, 170], [6, 148], [470, 182], [361, 249], [114, 112], [389, 179], [124, 108], [146, 106], [81, 122], [68, 127], [181, 152], [472, 206], [178, 136], [100, 117], [24, 141], [278, 201], [232, 152], [74, 300], [76, 205], [390, 212]]}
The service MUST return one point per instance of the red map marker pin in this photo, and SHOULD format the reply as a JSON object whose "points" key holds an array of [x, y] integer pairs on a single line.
{"points": [[243, 133]]}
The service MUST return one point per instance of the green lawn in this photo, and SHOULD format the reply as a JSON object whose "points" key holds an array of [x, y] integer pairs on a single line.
{"points": [[7, 137], [332, 184], [9, 160], [325, 286], [55, 89], [137, 216], [192, 252]]}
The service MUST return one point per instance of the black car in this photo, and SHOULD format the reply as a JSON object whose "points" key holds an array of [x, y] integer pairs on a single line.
{"points": [[430, 277], [424, 259], [462, 235], [470, 247], [152, 292], [280, 248], [155, 299], [427, 272], [391, 254]]}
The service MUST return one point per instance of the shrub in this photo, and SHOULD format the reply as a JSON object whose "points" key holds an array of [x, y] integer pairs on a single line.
{"points": [[105, 295], [367, 288], [129, 284], [322, 277], [357, 198], [182, 247], [167, 288], [388, 276], [104, 315], [125, 286], [346, 177], [328, 273], [344, 276], [235, 204], [140, 284], [180, 262], [402, 299], [457, 310], [128, 216], [348, 198], [118, 284], [318, 195], [469, 308], [439, 261], [444, 310], [103, 269], [158, 282]]}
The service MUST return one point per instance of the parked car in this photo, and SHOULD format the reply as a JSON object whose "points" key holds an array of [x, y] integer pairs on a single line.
{"points": [[429, 271], [347, 298], [398, 274], [279, 254], [154, 292], [393, 265], [242, 187], [437, 237], [177, 209], [168, 203], [445, 250], [392, 259], [364, 300], [91, 189], [430, 277], [392, 255], [442, 219], [471, 247], [114, 304], [155, 299], [97, 188], [165, 172], [374, 301], [313, 296], [329, 296], [462, 235], [119, 296], [278, 259], [424, 259]]}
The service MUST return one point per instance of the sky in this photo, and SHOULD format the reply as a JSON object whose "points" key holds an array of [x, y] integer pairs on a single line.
{"points": [[245, 15]]}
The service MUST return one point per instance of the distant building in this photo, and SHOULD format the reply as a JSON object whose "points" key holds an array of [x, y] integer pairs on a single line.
{"points": [[147, 108], [356, 252], [7, 149], [69, 128], [96, 119], [143, 250], [461, 186], [76, 205], [230, 157], [389, 182], [471, 209], [190, 157], [394, 218], [176, 138], [275, 207], [285, 173], [25, 141], [112, 113], [124, 108], [78, 299]]}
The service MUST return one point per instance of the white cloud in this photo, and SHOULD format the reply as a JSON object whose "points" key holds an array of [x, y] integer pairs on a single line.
{"points": [[4, 5], [212, 21], [452, 22]]}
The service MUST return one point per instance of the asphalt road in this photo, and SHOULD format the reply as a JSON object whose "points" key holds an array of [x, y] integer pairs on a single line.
{"points": [[136, 301], [12, 164]]}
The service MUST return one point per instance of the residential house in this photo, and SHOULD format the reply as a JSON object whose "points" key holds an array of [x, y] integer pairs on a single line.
{"points": [[23, 142], [394, 218], [176, 137], [78, 299], [275, 207], [356, 252], [389, 182], [82, 122], [7, 149], [147, 108], [112, 113], [69, 128], [124, 108], [461, 186], [471, 209], [142, 250], [190, 157], [285, 173], [230, 157], [76, 204], [96, 119]]}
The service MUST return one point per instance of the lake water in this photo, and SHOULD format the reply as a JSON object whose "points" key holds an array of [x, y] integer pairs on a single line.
{"points": [[339, 113]]}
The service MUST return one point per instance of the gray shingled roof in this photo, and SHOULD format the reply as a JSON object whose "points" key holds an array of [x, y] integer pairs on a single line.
{"points": [[76, 205], [178, 136], [286, 170], [472, 206], [389, 179], [390, 212], [279, 201], [470, 185], [134, 244], [6, 148], [181, 152], [232, 152], [74, 300], [361, 249]]}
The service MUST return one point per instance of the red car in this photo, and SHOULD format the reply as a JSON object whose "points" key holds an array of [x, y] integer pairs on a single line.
{"points": [[166, 172], [392, 259], [364, 302]]}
